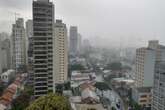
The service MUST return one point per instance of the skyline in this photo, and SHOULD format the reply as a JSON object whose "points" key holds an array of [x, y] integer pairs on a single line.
{"points": [[141, 20], [82, 55]]}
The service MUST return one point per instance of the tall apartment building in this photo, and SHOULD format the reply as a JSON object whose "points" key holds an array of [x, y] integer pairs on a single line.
{"points": [[145, 63], [43, 32], [29, 28], [60, 49], [6, 54], [73, 40], [158, 102], [79, 43], [160, 49], [29, 35], [142, 96], [0, 58], [18, 45]]}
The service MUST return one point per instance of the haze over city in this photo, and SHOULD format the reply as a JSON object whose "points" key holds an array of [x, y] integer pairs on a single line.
{"points": [[82, 55], [107, 22]]}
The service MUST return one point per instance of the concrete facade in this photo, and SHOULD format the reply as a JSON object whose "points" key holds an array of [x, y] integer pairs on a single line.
{"points": [[145, 63], [18, 44], [43, 32], [60, 52], [158, 102], [142, 96], [73, 40]]}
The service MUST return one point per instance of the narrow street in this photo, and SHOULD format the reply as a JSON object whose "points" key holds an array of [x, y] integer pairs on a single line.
{"points": [[112, 95]]}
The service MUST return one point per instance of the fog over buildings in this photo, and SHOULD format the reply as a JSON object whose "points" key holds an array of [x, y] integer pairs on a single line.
{"points": [[109, 22]]}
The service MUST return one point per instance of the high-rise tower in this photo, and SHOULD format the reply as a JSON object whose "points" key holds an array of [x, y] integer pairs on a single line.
{"points": [[73, 40], [158, 101], [18, 44], [145, 63], [60, 49], [43, 32]]}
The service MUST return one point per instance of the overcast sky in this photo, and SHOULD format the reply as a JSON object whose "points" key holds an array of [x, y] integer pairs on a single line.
{"points": [[104, 21]]}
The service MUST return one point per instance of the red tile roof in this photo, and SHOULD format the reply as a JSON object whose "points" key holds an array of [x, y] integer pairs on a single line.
{"points": [[9, 93]]}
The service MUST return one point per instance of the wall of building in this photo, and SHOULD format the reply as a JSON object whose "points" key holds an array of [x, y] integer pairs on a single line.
{"points": [[60, 58], [18, 44], [0, 57], [142, 98], [149, 66], [43, 47], [73, 40], [158, 102]]}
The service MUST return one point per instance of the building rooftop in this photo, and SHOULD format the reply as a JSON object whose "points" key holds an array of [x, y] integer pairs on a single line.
{"points": [[10, 92], [75, 99], [89, 107], [126, 80]]}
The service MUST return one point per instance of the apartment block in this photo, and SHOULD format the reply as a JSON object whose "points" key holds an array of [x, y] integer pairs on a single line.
{"points": [[146, 58], [145, 64], [43, 32], [19, 45], [142, 96], [158, 102], [73, 40], [60, 52]]}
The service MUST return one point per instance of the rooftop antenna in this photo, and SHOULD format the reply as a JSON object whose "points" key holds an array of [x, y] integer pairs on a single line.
{"points": [[16, 15]]}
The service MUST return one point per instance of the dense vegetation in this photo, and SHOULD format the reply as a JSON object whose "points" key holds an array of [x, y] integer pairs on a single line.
{"points": [[102, 86], [50, 102], [115, 66], [77, 67], [22, 101]]}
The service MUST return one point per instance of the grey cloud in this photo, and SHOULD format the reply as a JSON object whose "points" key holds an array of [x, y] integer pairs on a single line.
{"points": [[110, 19], [20, 4]]}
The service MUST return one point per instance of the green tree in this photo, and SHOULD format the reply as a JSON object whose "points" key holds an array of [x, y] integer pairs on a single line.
{"points": [[114, 66], [135, 105], [50, 102], [29, 90], [102, 86], [77, 67], [2, 88], [127, 67], [67, 86], [21, 102], [113, 108], [59, 88]]}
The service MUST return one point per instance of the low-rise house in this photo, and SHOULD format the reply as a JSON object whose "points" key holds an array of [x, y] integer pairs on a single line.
{"points": [[7, 76], [89, 97], [11, 93], [142, 96], [88, 100], [78, 78]]}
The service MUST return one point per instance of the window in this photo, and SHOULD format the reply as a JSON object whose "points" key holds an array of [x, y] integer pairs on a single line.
{"points": [[143, 96]]}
